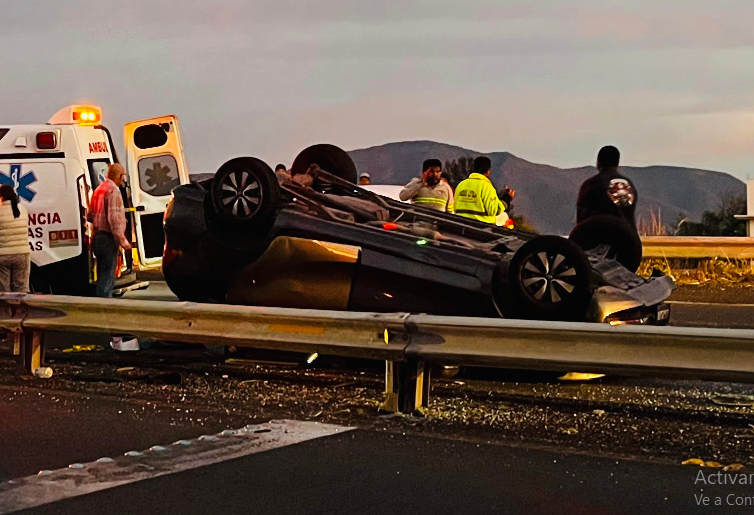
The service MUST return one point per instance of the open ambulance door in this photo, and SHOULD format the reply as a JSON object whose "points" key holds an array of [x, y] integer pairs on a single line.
{"points": [[156, 165]]}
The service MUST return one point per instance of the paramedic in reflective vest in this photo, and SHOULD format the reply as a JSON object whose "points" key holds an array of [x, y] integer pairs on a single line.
{"points": [[476, 197], [608, 192], [428, 190], [109, 219]]}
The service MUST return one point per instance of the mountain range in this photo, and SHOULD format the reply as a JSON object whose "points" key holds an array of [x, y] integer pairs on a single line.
{"points": [[546, 195]]}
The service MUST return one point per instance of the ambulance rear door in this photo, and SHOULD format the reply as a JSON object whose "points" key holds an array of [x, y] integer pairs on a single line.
{"points": [[156, 165]]}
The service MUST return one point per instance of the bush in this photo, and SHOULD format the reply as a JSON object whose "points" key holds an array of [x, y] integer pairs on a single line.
{"points": [[717, 223]]}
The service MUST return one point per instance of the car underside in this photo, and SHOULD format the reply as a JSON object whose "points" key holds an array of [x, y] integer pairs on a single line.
{"points": [[313, 239]]}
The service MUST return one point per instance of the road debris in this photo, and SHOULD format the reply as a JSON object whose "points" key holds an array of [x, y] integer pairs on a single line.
{"points": [[84, 348], [733, 399]]}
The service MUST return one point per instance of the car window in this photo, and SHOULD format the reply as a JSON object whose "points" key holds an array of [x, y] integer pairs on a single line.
{"points": [[151, 136], [97, 171], [158, 175]]}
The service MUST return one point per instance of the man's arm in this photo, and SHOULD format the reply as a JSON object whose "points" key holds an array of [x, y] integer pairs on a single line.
{"points": [[411, 189], [506, 196], [492, 204], [116, 217], [450, 207]]}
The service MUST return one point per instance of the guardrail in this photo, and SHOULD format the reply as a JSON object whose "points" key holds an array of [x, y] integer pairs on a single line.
{"points": [[408, 343], [691, 247]]}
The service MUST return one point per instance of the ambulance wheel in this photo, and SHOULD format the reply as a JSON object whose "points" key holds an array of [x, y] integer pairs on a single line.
{"points": [[329, 158], [549, 280], [620, 235], [244, 192]]}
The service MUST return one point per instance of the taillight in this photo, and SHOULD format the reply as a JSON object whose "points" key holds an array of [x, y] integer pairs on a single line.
{"points": [[47, 140]]}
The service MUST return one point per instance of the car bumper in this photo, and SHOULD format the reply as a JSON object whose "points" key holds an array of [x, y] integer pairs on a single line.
{"points": [[643, 305], [654, 315]]}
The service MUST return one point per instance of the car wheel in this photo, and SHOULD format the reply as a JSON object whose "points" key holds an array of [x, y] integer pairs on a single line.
{"points": [[549, 280], [244, 191], [620, 235], [329, 158]]}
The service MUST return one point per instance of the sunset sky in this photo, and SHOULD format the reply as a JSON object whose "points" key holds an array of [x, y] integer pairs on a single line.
{"points": [[550, 81]]}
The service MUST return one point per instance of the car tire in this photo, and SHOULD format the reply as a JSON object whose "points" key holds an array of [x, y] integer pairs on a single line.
{"points": [[244, 192], [619, 234], [549, 280], [329, 158]]}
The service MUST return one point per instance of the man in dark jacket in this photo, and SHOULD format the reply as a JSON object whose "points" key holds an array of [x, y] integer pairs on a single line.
{"points": [[608, 192]]}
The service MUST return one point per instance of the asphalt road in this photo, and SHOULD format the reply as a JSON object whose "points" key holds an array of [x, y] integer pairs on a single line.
{"points": [[706, 314], [361, 471]]}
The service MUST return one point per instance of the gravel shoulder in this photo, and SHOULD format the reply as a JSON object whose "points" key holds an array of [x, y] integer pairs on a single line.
{"points": [[663, 421]]}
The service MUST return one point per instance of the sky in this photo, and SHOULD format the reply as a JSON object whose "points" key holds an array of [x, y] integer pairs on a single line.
{"points": [[551, 81]]}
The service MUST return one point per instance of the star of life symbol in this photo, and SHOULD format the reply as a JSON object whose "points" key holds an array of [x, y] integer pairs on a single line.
{"points": [[20, 182]]}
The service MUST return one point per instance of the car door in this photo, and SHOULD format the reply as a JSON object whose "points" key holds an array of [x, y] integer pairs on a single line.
{"points": [[156, 165]]}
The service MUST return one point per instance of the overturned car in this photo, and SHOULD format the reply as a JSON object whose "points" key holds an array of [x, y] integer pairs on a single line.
{"points": [[314, 239]]}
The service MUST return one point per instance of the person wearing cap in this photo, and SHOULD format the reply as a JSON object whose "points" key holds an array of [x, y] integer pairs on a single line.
{"points": [[365, 179], [429, 190]]}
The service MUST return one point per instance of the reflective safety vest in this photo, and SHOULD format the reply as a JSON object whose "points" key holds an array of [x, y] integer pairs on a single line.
{"points": [[476, 198], [440, 197]]}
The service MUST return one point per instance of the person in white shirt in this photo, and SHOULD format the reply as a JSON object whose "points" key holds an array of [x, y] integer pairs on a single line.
{"points": [[15, 253]]}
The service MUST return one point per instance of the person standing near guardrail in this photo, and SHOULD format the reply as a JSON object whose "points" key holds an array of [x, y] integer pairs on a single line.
{"points": [[608, 192], [109, 219], [14, 242]]}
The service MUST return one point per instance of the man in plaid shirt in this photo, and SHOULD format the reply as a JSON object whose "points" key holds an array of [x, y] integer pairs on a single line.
{"points": [[109, 219]]}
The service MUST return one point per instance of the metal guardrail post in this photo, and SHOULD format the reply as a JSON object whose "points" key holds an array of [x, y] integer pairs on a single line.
{"points": [[16, 343], [27, 345], [406, 386], [32, 355]]}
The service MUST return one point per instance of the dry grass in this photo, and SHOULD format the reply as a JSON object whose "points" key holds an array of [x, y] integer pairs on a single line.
{"points": [[702, 271], [653, 226]]}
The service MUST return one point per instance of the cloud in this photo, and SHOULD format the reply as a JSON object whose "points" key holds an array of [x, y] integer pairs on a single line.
{"points": [[547, 80]]}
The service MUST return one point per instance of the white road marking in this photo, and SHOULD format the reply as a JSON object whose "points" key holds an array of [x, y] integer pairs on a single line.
{"points": [[51, 486], [689, 303]]}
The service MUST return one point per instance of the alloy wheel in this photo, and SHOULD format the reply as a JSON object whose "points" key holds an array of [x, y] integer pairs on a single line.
{"points": [[241, 193], [548, 277]]}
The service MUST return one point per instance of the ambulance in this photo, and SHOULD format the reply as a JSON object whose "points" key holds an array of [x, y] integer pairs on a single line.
{"points": [[55, 167]]}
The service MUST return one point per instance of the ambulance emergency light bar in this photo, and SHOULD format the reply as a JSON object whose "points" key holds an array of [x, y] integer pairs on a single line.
{"points": [[78, 115]]}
